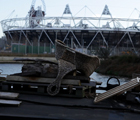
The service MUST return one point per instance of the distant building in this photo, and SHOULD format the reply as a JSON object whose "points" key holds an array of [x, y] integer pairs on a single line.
{"points": [[36, 33]]}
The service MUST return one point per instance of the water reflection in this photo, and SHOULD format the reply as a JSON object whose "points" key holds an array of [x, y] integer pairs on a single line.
{"points": [[10, 68]]}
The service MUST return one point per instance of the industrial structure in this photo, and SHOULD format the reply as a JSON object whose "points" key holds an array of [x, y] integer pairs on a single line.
{"points": [[36, 33]]}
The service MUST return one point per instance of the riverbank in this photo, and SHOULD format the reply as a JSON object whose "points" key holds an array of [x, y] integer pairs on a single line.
{"points": [[8, 57], [124, 66], [4, 59]]}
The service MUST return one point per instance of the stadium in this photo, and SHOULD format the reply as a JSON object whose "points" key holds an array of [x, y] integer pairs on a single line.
{"points": [[36, 33]]}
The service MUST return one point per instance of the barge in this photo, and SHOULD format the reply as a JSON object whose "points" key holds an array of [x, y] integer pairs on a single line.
{"points": [[63, 91]]}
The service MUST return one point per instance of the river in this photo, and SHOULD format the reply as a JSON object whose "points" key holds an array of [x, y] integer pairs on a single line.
{"points": [[16, 68]]}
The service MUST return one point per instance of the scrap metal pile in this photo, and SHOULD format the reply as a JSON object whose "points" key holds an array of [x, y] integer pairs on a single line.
{"points": [[68, 77], [70, 65]]}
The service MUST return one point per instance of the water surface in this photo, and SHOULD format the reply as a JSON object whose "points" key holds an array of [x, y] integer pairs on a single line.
{"points": [[16, 68]]}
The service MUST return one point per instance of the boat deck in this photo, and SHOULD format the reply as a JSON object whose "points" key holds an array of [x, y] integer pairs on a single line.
{"points": [[63, 108]]}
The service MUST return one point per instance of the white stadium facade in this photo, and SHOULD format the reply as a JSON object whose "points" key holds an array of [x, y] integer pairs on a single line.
{"points": [[36, 33]]}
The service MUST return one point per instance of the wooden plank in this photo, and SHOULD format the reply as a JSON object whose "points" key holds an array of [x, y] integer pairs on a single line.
{"points": [[2, 78], [114, 91], [8, 95], [42, 80], [117, 90], [65, 90], [10, 102]]}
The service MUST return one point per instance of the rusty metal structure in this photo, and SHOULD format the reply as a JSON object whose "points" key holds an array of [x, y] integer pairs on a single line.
{"points": [[71, 65], [70, 60]]}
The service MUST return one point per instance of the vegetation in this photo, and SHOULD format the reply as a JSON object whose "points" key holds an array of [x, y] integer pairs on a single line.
{"points": [[103, 53], [124, 65]]}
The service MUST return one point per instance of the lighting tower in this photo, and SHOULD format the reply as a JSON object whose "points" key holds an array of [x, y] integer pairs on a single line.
{"points": [[35, 16]]}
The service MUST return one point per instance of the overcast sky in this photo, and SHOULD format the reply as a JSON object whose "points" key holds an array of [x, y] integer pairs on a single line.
{"points": [[118, 8]]}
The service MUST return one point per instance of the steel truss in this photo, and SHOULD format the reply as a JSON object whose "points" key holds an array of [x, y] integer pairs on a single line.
{"points": [[83, 31]]}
